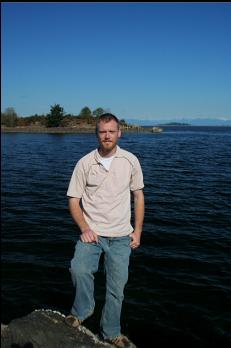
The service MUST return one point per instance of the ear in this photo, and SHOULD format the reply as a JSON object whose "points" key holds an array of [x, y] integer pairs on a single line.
{"points": [[119, 133]]}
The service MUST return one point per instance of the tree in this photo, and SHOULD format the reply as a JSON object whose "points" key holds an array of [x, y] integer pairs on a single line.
{"points": [[9, 118], [55, 117], [98, 112], [123, 122], [85, 113]]}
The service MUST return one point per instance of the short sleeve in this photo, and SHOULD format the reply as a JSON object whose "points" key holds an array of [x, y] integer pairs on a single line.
{"points": [[78, 182], [137, 182]]}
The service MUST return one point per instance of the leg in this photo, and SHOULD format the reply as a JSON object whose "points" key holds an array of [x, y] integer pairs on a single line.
{"points": [[83, 266], [116, 265]]}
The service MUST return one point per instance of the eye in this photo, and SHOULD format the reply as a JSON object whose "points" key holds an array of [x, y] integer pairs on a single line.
{"points": [[110, 131]]}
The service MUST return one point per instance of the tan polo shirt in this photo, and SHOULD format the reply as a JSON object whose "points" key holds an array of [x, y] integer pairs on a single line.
{"points": [[105, 194]]}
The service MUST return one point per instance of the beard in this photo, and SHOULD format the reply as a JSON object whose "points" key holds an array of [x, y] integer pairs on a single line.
{"points": [[107, 146]]}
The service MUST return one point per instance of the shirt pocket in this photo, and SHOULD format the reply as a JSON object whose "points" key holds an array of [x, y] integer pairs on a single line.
{"points": [[95, 179]]}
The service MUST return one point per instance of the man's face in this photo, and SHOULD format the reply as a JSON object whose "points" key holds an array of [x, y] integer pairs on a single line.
{"points": [[108, 135]]}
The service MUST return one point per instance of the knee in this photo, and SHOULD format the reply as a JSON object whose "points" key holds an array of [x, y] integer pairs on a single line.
{"points": [[77, 273], [79, 269], [117, 283]]}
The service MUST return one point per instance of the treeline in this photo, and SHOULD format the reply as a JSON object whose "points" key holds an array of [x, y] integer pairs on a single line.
{"points": [[55, 118]]}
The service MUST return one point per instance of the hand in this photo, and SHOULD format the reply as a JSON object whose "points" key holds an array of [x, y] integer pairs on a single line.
{"points": [[89, 236], [135, 237]]}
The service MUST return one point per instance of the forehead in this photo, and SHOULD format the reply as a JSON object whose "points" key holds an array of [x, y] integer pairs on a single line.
{"points": [[112, 125]]}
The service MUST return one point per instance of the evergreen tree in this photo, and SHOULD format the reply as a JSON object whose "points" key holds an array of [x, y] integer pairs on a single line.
{"points": [[9, 118], [55, 117], [85, 113], [98, 112]]}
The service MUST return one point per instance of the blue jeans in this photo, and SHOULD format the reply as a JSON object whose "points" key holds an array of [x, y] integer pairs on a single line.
{"points": [[83, 266]]}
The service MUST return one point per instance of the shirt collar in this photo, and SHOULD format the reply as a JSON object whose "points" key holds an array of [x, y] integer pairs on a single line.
{"points": [[117, 153]]}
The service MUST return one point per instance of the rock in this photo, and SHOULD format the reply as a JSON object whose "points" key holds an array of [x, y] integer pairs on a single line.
{"points": [[46, 329]]}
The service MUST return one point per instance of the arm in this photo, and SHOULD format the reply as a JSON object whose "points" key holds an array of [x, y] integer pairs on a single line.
{"points": [[87, 235], [139, 218]]}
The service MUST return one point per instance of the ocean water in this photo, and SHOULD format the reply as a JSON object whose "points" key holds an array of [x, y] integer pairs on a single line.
{"points": [[179, 288]]}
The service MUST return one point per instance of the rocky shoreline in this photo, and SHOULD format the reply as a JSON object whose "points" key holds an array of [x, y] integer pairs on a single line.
{"points": [[65, 130], [47, 130]]}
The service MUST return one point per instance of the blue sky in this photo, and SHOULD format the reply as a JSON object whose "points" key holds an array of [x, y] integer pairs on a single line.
{"points": [[148, 61]]}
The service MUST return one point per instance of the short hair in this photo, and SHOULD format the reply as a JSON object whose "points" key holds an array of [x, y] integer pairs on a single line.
{"points": [[107, 117]]}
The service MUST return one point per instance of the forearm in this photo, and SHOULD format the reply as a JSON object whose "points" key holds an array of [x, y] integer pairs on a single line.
{"points": [[87, 236], [77, 213], [139, 218], [138, 211]]}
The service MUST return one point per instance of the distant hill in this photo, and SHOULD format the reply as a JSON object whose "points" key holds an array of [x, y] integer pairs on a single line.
{"points": [[174, 124], [183, 121]]}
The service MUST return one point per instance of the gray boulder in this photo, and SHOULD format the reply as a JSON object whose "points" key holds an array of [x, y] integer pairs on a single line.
{"points": [[46, 329]]}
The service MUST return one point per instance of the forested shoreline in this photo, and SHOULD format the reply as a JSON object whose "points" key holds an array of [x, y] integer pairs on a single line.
{"points": [[56, 118]]}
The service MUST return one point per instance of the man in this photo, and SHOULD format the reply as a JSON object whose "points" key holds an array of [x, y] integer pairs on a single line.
{"points": [[99, 203]]}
